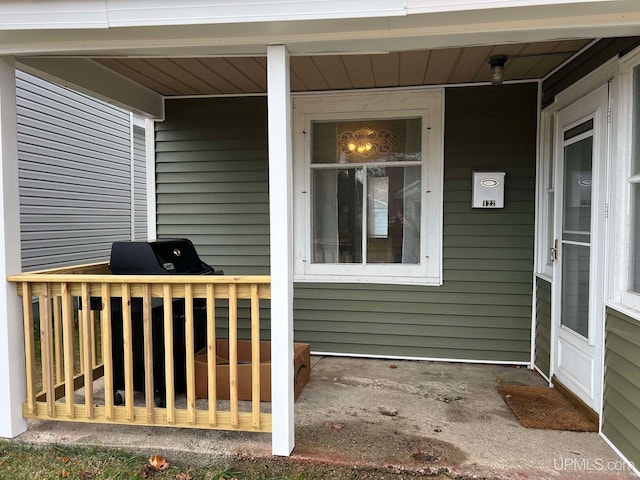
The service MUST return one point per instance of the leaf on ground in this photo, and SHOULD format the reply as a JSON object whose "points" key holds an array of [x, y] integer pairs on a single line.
{"points": [[64, 459], [184, 476], [158, 462], [64, 474], [148, 471]]}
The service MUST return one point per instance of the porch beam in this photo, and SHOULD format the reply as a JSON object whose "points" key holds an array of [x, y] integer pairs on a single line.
{"points": [[91, 78], [281, 236], [12, 366]]}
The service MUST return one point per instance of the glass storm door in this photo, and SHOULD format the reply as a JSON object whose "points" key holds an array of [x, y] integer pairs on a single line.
{"points": [[581, 147]]}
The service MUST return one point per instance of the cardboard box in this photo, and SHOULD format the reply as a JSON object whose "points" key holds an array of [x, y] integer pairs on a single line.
{"points": [[301, 368]]}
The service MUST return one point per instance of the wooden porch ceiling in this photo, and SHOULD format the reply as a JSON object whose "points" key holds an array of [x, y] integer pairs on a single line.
{"points": [[237, 75]]}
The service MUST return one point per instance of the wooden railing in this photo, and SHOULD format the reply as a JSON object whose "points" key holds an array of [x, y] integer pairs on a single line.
{"points": [[73, 359]]}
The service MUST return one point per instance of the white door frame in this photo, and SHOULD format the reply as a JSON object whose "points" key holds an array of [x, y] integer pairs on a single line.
{"points": [[587, 385]]}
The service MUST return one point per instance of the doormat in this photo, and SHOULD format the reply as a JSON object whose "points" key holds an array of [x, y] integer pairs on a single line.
{"points": [[544, 407]]}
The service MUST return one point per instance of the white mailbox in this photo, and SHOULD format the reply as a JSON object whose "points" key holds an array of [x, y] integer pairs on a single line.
{"points": [[488, 190]]}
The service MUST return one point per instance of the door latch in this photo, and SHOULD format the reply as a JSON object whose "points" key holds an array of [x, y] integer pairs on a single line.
{"points": [[554, 251]]}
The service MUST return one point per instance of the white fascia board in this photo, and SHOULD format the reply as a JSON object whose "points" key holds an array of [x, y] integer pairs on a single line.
{"points": [[357, 35], [433, 6], [93, 79], [43, 14], [126, 13]]}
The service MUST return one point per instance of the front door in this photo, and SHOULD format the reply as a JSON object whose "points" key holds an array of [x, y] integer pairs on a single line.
{"points": [[580, 152]]}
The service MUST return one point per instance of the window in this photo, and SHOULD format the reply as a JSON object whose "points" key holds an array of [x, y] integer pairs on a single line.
{"points": [[369, 181], [625, 190], [546, 196]]}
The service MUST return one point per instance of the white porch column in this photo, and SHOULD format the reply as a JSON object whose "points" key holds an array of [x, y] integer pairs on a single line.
{"points": [[150, 153], [281, 214], [12, 369]]}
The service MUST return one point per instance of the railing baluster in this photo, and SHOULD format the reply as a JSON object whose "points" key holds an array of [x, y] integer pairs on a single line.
{"points": [[190, 354], [233, 353], [94, 339], [128, 351], [167, 300], [255, 356], [81, 333], [107, 352], [46, 346], [212, 378], [29, 346], [86, 340], [149, 393], [67, 340], [57, 335]]}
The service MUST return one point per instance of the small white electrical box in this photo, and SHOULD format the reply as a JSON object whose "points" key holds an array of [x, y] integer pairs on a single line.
{"points": [[488, 190]]}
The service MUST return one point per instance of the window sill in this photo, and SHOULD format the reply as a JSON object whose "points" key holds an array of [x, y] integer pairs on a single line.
{"points": [[624, 309], [379, 279]]}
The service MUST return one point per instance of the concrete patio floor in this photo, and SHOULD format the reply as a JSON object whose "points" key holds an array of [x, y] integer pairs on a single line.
{"points": [[367, 418]]}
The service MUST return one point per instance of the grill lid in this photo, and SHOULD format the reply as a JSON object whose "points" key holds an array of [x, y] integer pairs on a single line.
{"points": [[163, 257]]}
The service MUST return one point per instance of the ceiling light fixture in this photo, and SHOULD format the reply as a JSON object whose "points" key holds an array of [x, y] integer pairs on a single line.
{"points": [[496, 62]]}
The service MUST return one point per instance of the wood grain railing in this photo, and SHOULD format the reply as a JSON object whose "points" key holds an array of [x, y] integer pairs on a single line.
{"points": [[89, 334]]}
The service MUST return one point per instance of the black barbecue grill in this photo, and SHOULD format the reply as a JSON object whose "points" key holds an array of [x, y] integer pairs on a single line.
{"points": [[162, 257]]}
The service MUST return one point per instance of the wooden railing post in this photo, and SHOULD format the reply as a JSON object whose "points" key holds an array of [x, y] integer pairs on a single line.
{"points": [[46, 347], [190, 354], [149, 393], [86, 340], [168, 353], [107, 356], [69, 363], [255, 356], [233, 353], [212, 379], [29, 346], [57, 334], [128, 351]]}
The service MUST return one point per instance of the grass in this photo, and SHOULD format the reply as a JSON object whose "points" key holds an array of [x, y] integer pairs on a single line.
{"points": [[22, 462]]}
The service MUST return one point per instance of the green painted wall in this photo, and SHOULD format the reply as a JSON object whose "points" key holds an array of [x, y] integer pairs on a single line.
{"points": [[212, 187], [543, 326], [621, 410]]}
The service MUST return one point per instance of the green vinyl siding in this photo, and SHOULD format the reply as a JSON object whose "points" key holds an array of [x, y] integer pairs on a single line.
{"points": [[543, 326], [213, 189], [212, 180], [621, 409]]}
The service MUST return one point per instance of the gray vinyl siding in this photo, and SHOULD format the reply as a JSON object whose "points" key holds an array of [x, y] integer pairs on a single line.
{"points": [[212, 180], [543, 326], [212, 187], [74, 175], [139, 185], [621, 409]]}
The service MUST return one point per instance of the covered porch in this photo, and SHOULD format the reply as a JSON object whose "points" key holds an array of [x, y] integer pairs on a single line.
{"points": [[383, 419], [229, 115]]}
